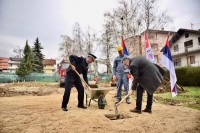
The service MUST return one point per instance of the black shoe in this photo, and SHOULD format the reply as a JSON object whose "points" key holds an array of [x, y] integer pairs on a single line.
{"points": [[135, 110], [83, 107], [64, 109], [147, 110]]}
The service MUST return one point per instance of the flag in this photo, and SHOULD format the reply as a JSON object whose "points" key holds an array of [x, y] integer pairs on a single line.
{"points": [[166, 61], [149, 52], [124, 47]]}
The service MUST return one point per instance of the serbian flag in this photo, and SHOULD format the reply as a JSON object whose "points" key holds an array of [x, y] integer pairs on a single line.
{"points": [[149, 51], [166, 61], [124, 47]]}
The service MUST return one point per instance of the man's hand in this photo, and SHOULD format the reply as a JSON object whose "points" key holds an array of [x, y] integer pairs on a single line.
{"points": [[73, 67], [130, 92], [114, 78]]}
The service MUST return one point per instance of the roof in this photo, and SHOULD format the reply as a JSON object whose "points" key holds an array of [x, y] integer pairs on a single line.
{"points": [[158, 31], [15, 59], [4, 59], [180, 32], [49, 61]]}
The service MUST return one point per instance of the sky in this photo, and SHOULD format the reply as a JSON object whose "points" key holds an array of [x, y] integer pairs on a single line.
{"points": [[22, 20]]}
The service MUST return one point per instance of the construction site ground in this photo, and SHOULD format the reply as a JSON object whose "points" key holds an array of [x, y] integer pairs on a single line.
{"points": [[31, 107]]}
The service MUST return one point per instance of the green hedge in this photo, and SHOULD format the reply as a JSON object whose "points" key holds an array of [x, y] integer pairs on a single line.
{"points": [[187, 76]]}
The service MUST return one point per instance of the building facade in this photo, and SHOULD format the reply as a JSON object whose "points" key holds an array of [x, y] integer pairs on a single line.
{"points": [[13, 64], [49, 65], [4, 66], [157, 39], [185, 48]]}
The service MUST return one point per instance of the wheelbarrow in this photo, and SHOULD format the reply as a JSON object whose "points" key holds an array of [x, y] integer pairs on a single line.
{"points": [[94, 93], [97, 93]]}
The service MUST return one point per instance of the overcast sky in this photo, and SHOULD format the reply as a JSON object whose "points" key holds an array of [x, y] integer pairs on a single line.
{"points": [[22, 20]]}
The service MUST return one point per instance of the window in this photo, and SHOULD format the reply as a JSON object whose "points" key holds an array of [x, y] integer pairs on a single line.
{"points": [[192, 60], [175, 48], [186, 35], [188, 43], [199, 40], [177, 62], [154, 46]]}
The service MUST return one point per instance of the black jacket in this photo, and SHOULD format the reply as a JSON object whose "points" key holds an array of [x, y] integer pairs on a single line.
{"points": [[81, 66], [145, 73]]}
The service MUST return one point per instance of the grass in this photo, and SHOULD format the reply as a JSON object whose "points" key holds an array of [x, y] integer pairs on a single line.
{"points": [[190, 98]]}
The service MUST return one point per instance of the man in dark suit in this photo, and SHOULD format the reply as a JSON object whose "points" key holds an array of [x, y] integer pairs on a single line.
{"points": [[81, 65], [147, 76]]}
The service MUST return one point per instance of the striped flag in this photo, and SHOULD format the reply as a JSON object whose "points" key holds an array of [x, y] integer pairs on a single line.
{"points": [[124, 47], [166, 61], [149, 51]]}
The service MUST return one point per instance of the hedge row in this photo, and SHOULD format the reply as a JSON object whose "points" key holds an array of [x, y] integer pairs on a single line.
{"points": [[187, 76]]}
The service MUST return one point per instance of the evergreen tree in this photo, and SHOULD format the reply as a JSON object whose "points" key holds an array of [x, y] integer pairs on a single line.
{"points": [[25, 67], [38, 57]]}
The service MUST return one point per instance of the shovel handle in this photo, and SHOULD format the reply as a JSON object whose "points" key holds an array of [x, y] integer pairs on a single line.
{"points": [[88, 87], [123, 99]]}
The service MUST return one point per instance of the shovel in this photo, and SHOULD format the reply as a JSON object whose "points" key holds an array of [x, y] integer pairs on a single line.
{"points": [[87, 86], [116, 105]]}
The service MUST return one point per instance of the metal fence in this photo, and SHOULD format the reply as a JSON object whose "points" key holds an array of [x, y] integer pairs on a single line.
{"points": [[12, 77], [43, 77]]}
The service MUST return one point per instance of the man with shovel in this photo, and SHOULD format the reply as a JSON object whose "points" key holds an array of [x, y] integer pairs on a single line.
{"points": [[80, 65], [147, 76]]}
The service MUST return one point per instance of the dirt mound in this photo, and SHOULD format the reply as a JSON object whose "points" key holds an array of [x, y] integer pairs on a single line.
{"points": [[28, 88]]}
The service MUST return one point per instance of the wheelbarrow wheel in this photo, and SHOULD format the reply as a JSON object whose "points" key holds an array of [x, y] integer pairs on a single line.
{"points": [[101, 101]]}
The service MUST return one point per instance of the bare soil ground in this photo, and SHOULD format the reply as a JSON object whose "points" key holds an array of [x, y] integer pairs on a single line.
{"points": [[35, 107]]}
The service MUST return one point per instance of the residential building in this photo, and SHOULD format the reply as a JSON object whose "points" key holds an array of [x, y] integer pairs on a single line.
{"points": [[13, 62], [4, 64], [157, 39], [185, 48], [49, 65], [134, 45]]}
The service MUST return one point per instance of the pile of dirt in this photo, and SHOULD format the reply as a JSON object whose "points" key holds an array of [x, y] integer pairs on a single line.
{"points": [[28, 88]]}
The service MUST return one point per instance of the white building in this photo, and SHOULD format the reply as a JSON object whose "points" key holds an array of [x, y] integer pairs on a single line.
{"points": [[13, 62], [185, 48]]}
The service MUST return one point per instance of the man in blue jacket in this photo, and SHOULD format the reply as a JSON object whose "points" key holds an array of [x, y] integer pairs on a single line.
{"points": [[119, 74], [81, 65]]}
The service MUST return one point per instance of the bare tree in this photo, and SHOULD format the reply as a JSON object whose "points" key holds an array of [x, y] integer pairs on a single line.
{"points": [[66, 46], [153, 19], [89, 40], [78, 46], [19, 52]]}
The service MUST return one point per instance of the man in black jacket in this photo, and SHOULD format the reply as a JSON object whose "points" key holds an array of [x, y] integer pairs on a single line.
{"points": [[81, 65], [147, 76]]}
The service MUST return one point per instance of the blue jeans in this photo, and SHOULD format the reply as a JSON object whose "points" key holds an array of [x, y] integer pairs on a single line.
{"points": [[122, 79]]}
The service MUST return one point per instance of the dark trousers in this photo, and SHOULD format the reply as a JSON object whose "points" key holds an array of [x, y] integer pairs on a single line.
{"points": [[69, 82], [140, 91]]}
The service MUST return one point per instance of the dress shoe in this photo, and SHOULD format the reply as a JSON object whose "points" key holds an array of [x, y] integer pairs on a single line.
{"points": [[83, 107], [135, 110], [147, 110], [64, 109]]}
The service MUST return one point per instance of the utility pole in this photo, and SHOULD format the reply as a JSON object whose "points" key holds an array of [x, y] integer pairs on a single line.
{"points": [[122, 25]]}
